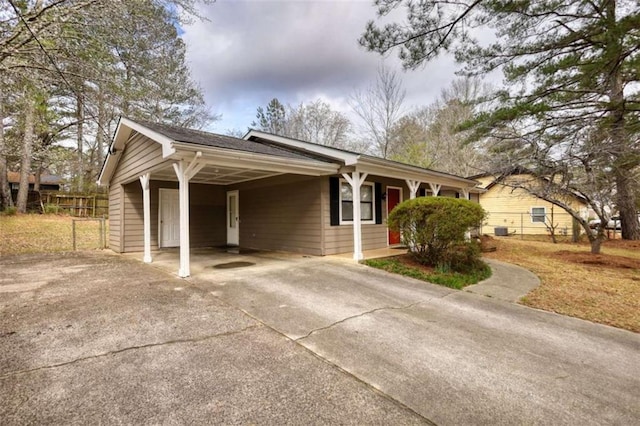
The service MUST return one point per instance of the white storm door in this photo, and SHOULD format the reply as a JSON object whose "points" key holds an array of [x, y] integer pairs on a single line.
{"points": [[233, 222], [169, 218]]}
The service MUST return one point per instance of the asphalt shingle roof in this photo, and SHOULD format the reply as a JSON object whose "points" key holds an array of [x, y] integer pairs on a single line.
{"points": [[199, 137]]}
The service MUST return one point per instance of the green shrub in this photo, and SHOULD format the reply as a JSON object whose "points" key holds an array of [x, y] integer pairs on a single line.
{"points": [[51, 209], [10, 211], [434, 229]]}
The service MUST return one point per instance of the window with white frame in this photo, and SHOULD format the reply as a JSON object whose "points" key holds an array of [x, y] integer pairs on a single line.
{"points": [[538, 214], [367, 198]]}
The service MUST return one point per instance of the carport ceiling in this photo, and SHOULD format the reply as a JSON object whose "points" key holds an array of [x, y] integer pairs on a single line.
{"points": [[216, 175]]}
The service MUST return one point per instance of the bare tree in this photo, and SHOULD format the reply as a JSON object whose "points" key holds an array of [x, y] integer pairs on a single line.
{"points": [[314, 122], [432, 136], [317, 122], [379, 107], [581, 171]]}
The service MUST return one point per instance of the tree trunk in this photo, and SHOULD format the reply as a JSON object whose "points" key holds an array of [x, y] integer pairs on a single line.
{"points": [[100, 132], [626, 203], [596, 243], [27, 152], [37, 178], [80, 144], [625, 160], [5, 191]]}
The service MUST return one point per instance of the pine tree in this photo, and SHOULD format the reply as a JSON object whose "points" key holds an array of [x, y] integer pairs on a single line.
{"points": [[571, 71]]}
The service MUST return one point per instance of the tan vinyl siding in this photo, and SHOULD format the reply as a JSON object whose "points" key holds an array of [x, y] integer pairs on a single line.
{"points": [[281, 213], [339, 239], [207, 215], [115, 195], [140, 154], [133, 217]]}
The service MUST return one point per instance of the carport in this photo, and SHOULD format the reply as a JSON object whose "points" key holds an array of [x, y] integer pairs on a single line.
{"points": [[196, 163]]}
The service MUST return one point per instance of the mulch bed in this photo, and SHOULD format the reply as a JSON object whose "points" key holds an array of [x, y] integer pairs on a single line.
{"points": [[602, 260]]}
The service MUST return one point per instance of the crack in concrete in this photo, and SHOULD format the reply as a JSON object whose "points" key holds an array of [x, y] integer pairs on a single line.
{"points": [[387, 308], [130, 348]]}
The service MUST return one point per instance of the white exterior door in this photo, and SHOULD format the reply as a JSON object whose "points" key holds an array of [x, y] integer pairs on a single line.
{"points": [[169, 218], [233, 219]]}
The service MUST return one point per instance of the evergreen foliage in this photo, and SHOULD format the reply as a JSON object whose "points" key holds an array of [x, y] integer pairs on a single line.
{"points": [[569, 111], [434, 229], [70, 68]]}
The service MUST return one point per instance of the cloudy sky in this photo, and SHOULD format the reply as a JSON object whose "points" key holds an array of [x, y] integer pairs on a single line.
{"points": [[249, 52]]}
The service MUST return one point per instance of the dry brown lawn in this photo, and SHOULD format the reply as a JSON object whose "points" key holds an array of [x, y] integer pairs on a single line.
{"points": [[36, 233], [601, 288]]}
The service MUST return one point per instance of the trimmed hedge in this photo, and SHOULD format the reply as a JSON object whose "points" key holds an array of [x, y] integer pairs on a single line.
{"points": [[434, 229]]}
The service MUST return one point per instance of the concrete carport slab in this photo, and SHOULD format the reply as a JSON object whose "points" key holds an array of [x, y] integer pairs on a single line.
{"points": [[101, 339], [452, 356]]}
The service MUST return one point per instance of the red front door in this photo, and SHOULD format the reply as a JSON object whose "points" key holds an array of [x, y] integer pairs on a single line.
{"points": [[393, 199]]}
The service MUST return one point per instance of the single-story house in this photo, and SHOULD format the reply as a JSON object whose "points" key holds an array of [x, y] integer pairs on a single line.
{"points": [[175, 187], [47, 182], [519, 210]]}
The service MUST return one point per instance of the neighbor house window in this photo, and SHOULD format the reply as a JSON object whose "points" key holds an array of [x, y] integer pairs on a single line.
{"points": [[538, 214], [366, 202]]}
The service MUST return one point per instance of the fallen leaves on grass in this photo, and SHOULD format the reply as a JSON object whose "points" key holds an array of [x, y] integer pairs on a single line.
{"points": [[602, 288], [35, 233]]}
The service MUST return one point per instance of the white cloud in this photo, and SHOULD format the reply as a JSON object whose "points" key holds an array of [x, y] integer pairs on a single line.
{"points": [[252, 51]]}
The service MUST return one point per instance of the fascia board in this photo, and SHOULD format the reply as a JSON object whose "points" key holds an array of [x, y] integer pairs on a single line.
{"points": [[123, 133], [400, 171], [167, 143], [348, 159], [241, 159]]}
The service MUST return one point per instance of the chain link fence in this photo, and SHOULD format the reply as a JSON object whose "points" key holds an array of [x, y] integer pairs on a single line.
{"points": [[531, 223]]}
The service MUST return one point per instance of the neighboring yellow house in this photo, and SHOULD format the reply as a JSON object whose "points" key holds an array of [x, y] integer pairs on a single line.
{"points": [[519, 211]]}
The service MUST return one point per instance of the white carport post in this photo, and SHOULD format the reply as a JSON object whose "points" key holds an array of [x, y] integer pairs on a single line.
{"points": [[465, 193], [413, 185], [356, 180], [146, 207], [184, 175], [435, 188]]}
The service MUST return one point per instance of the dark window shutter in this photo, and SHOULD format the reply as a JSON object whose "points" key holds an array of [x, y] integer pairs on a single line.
{"points": [[334, 200], [423, 192], [457, 195], [378, 207]]}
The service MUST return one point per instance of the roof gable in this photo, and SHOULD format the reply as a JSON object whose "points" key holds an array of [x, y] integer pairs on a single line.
{"points": [[173, 138], [519, 177]]}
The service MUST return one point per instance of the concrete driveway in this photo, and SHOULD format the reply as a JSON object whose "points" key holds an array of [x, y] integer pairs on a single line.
{"points": [[95, 339], [453, 357], [273, 339]]}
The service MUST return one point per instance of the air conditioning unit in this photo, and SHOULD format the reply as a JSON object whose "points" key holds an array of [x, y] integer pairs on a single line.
{"points": [[501, 231]]}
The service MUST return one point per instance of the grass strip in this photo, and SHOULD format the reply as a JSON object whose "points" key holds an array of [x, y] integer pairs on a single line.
{"points": [[455, 280]]}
